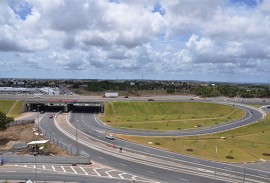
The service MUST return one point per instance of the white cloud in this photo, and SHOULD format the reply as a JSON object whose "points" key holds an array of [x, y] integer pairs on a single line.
{"points": [[212, 37]]}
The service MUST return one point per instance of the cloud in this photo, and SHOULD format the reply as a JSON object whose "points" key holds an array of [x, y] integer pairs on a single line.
{"points": [[174, 39]]}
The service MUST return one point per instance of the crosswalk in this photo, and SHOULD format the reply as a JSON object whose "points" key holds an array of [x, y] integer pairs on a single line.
{"points": [[100, 171]]}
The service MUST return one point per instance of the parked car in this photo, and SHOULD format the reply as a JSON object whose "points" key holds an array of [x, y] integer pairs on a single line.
{"points": [[109, 136], [50, 116]]}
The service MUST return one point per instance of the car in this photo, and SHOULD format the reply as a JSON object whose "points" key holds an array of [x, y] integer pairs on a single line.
{"points": [[50, 116], [34, 110], [109, 136]]}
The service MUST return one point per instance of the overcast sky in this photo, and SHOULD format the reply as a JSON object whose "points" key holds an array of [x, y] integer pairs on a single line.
{"points": [[207, 40]]}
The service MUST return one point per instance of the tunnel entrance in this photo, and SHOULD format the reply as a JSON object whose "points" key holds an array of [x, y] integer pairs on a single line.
{"points": [[77, 108]]}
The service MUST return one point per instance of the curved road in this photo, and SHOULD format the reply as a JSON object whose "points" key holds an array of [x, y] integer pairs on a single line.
{"points": [[252, 115], [88, 125]]}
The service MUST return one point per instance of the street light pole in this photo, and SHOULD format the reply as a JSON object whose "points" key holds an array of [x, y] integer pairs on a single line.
{"points": [[244, 176], [77, 152], [38, 119]]}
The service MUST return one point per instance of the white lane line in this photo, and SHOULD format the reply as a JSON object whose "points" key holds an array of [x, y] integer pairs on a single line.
{"points": [[183, 180], [120, 175], [73, 170], [84, 171], [53, 168], [227, 168], [10, 171], [63, 169], [95, 170], [123, 164], [149, 171], [107, 172], [263, 175], [100, 157]]}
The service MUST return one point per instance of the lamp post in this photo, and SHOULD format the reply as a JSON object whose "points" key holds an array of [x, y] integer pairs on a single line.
{"points": [[216, 165], [35, 154], [38, 118], [77, 150], [244, 175]]}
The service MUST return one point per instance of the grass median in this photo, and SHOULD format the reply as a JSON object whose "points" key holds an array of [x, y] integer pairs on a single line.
{"points": [[167, 116], [246, 144]]}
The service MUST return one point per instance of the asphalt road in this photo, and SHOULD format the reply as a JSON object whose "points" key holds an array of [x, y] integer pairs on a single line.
{"points": [[149, 163], [85, 122], [252, 115]]}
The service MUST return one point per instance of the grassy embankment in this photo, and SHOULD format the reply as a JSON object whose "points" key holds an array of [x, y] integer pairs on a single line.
{"points": [[11, 107], [244, 144], [168, 115]]}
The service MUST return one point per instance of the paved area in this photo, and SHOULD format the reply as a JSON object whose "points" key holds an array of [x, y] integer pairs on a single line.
{"points": [[96, 170]]}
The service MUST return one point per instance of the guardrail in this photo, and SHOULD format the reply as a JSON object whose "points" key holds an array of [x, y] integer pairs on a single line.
{"points": [[21, 122]]}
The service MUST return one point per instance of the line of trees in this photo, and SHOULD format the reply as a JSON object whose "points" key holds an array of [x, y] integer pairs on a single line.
{"points": [[4, 121], [232, 91], [202, 90]]}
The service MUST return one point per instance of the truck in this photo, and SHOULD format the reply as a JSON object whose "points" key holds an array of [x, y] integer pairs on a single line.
{"points": [[111, 95]]}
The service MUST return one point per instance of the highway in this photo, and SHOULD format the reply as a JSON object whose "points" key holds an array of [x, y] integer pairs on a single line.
{"points": [[252, 115], [148, 162], [145, 163]]}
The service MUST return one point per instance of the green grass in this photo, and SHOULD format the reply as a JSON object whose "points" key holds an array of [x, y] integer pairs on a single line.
{"points": [[168, 115], [245, 144], [6, 107], [16, 109]]}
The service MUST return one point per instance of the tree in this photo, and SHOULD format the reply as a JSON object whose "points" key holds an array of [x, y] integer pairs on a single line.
{"points": [[4, 121]]}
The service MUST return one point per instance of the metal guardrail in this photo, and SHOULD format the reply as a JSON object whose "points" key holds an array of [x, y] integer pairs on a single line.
{"points": [[21, 122]]}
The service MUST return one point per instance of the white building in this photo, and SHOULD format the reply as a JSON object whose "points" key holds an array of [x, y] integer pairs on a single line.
{"points": [[11, 90], [49, 91]]}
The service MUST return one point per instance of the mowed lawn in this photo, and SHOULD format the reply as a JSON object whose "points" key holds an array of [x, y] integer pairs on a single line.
{"points": [[11, 107], [168, 115], [246, 144]]}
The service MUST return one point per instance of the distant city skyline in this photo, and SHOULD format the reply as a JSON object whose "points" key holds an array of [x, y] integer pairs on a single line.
{"points": [[203, 40]]}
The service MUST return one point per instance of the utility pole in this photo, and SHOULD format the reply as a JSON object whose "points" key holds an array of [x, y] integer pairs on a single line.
{"points": [[38, 119], [77, 150], [244, 176]]}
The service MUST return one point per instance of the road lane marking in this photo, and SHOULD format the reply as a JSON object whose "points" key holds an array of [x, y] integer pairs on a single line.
{"points": [[63, 169], [100, 157], [10, 171], [185, 180], [53, 168], [120, 175], [73, 170], [95, 170], [123, 164], [84, 171], [107, 172], [150, 171], [263, 175]]}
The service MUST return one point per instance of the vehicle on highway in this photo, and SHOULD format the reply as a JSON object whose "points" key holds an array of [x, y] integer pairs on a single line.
{"points": [[50, 116], [110, 136]]}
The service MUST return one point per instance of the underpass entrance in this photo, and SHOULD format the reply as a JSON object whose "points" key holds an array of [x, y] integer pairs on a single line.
{"points": [[66, 106]]}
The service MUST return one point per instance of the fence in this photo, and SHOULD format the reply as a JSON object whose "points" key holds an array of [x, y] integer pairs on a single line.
{"points": [[47, 159], [21, 122]]}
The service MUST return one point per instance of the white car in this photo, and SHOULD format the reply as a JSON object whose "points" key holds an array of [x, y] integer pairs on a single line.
{"points": [[109, 136]]}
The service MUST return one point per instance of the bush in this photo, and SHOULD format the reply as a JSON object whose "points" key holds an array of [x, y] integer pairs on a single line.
{"points": [[189, 150], [229, 157]]}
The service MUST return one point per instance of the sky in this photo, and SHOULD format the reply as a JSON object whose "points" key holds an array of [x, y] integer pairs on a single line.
{"points": [[205, 40]]}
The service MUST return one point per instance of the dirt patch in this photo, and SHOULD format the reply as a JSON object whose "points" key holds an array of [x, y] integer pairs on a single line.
{"points": [[24, 134]]}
